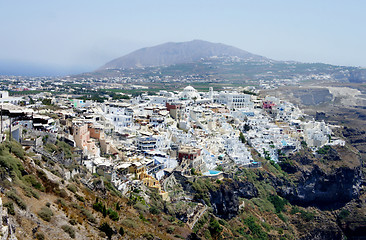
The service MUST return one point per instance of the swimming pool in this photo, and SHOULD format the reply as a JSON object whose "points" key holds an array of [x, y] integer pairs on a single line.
{"points": [[211, 172]]}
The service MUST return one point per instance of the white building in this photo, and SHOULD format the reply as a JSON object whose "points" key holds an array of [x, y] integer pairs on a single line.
{"points": [[189, 93], [4, 98], [235, 100]]}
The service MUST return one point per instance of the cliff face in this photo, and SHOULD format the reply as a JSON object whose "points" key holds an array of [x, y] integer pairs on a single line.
{"points": [[325, 191], [225, 200], [325, 181]]}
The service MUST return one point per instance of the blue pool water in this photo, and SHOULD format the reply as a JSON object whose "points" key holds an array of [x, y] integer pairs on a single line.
{"points": [[211, 172]]}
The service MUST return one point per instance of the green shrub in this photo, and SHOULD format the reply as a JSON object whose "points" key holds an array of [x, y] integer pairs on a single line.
{"points": [[29, 192], [294, 210], [73, 222], [32, 180], [89, 216], [121, 231], [255, 229], [200, 223], [98, 206], [104, 227], [214, 227], [282, 217], [51, 148], [154, 210], [113, 215], [278, 202], [307, 216], [140, 207], [223, 222], [16, 149], [118, 206], [45, 213], [10, 207], [63, 193], [170, 229], [344, 213], [10, 165], [72, 188], [142, 217], [18, 200], [40, 236], [35, 194], [65, 148], [179, 236], [75, 205], [148, 236], [60, 202], [80, 198], [69, 230], [323, 150]]}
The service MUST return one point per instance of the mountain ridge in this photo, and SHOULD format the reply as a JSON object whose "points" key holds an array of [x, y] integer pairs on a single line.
{"points": [[171, 53]]}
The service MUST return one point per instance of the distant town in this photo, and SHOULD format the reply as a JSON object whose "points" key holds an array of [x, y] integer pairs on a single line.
{"points": [[145, 138]]}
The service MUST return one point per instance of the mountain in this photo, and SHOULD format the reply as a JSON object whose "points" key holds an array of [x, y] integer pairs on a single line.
{"points": [[176, 53]]}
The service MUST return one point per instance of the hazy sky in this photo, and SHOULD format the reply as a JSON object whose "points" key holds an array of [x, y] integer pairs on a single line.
{"points": [[71, 36]]}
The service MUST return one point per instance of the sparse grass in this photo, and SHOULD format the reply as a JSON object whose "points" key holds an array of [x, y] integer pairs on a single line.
{"points": [[263, 205], [128, 222]]}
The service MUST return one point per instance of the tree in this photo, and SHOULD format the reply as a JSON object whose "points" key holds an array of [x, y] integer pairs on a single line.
{"points": [[107, 230], [215, 228], [47, 101], [121, 231], [242, 137]]}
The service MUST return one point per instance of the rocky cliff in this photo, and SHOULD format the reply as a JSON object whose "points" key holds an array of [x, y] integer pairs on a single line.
{"points": [[326, 181], [225, 200]]}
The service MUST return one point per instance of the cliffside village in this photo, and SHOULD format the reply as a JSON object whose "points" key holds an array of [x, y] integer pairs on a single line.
{"points": [[142, 140]]}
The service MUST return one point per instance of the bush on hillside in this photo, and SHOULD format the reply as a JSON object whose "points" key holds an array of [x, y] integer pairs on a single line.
{"points": [[18, 200], [45, 213], [69, 230]]}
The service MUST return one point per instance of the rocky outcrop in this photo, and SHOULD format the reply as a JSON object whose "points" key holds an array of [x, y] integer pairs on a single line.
{"points": [[316, 188], [326, 186], [322, 229], [225, 200]]}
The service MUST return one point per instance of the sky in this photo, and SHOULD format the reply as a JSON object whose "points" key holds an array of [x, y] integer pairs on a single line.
{"points": [[43, 37]]}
